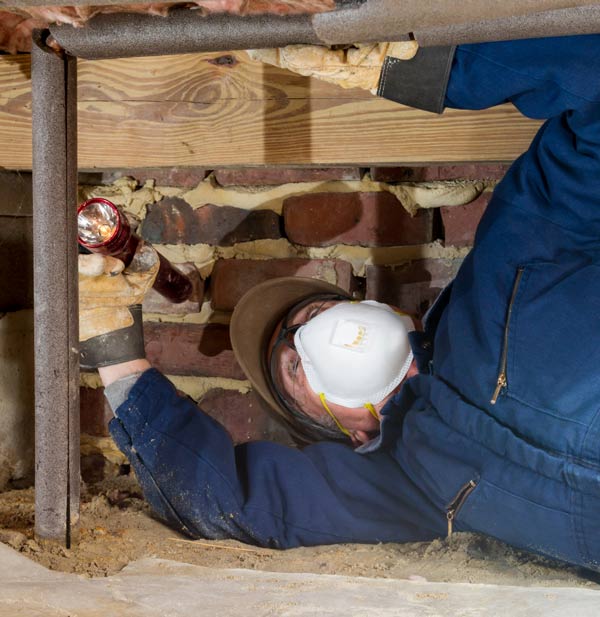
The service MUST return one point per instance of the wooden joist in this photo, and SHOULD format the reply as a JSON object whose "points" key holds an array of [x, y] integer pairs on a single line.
{"points": [[223, 109]]}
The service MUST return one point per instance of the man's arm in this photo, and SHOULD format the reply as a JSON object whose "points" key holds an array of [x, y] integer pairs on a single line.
{"points": [[191, 473], [557, 79], [115, 372], [263, 493]]}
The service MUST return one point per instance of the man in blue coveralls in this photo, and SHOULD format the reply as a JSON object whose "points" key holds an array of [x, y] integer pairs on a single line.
{"points": [[490, 417]]}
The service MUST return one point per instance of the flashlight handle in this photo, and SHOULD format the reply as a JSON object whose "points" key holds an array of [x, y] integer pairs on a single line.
{"points": [[172, 284], [169, 282], [126, 250]]}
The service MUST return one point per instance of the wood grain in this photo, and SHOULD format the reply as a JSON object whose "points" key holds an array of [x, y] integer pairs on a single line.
{"points": [[223, 109]]}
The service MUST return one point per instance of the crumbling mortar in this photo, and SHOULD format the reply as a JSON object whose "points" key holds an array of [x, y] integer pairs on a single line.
{"points": [[204, 256], [197, 387], [206, 315], [194, 386], [413, 196]]}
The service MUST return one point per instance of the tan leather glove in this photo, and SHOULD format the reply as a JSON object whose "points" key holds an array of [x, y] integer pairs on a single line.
{"points": [[107, 290], [356, 67]]}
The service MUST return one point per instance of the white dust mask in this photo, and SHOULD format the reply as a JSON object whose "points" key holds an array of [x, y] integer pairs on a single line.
{"points": [[355, 352]]}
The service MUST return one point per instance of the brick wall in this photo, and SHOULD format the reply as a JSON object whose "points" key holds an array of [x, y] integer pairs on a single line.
{"points": [[397, 235]]}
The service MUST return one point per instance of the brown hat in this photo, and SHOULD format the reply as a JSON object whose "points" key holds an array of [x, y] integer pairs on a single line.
{"points": [[252, 325]]}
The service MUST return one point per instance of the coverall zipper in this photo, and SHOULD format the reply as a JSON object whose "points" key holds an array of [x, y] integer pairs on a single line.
{"points": [[457, 503], [501, 382]]}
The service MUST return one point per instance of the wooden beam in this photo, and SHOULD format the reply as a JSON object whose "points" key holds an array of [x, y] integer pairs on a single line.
{"points": [[223, 109]]}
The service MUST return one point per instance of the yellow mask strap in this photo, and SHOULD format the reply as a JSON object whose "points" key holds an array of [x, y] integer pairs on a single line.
{"points": [[372, 411], [337, 422]]}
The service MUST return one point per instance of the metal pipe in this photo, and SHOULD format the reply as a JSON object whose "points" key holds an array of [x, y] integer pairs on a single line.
{"points": [[183, 31], [54, 115], [384, 20], [577, 20], [187, 31]]}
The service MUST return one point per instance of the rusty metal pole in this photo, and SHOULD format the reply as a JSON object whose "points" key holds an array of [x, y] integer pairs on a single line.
{"points": [[54, 167]]}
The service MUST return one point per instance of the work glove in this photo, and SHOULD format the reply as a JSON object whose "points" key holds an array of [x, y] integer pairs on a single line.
{"points": [[110, 313], [401, 72], [358, 66]]}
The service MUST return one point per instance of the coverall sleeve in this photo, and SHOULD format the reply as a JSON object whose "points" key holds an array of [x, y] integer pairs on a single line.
{"points": [[556, 79], [553, 79], [261, 492]]}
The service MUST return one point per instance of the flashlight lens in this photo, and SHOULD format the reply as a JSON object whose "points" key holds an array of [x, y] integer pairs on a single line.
{"points": [[97, 223]]}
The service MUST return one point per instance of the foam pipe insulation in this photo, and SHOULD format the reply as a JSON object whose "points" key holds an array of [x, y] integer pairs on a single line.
{"points": [[54, 92], [576, 20], [439, 22], [183, 31], [384, 20]]}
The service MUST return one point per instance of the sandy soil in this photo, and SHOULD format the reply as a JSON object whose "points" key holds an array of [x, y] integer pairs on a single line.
{"points": [[117, 527]]}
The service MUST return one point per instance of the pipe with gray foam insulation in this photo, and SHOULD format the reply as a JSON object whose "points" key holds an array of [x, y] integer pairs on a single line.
{"points": [[384, 20], [182, 31], [436, 23], [54, 111], [576, 20]]}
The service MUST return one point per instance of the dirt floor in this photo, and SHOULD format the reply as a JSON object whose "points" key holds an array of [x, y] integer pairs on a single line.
{"points": [[116, 528]]}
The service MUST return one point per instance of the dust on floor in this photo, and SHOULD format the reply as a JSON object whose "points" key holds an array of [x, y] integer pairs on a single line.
{"points": [[117, 527]]}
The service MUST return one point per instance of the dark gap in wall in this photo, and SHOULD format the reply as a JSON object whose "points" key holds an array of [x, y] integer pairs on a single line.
{"points": [[438, 231]]}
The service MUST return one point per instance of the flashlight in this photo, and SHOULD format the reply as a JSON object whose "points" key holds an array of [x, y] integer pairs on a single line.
{"points": [[103, 228]]}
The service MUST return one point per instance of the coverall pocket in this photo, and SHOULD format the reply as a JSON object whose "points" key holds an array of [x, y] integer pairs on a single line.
{"points": [[553, 350], [519, 521]]}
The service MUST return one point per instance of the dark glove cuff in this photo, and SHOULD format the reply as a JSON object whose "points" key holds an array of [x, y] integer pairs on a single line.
{"points": [[115, 347], [421, 82]]}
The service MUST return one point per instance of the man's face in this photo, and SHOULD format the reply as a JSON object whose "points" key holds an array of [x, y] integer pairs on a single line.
{"points": [[293, 383]]}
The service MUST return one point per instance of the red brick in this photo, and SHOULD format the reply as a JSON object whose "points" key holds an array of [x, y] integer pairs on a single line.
{"points": [[226, 226], [412, 287], [460, 222], [260, 176], [95, 412], [492, 171], [191, 349], [174, 221], [169, 221], [244, 416], [155, 303], [232, 278], [185, 177], [365, 219]]}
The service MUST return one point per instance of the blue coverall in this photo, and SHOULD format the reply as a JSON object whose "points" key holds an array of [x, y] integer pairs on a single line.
{"points": [[520, 324]]}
